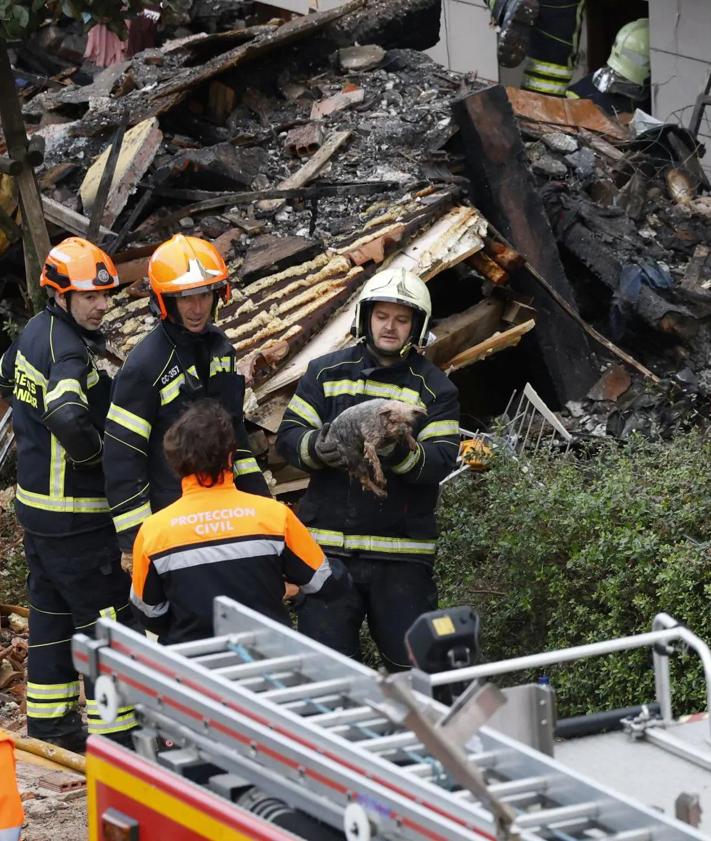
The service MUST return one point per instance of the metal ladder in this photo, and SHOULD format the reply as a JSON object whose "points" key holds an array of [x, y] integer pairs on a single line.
{"points": [[306, 724]]}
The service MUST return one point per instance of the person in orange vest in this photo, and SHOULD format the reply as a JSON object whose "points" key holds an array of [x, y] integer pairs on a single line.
{"points": [[12, 815], [216, 540]]}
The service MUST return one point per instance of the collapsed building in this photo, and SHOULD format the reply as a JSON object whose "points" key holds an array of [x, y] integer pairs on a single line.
{"points": [[558, 244]]}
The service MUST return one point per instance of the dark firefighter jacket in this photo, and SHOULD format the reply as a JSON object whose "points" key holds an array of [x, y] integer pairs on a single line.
{"points": [[59, 402], [162, 375], [340, 514], [217, 541], [613, 103]]}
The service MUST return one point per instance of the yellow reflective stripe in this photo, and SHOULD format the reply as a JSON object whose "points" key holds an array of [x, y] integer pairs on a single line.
{"points": [[408, 462], [324, 537], [108, 613], [62, 387], [572, 95], [50, 710], [169, 392], [22, 364], [220, 364], [304, 454], [123, 721], [372, 543], [245, 465], [57, 468], [92, 378], [304, 410], [53, 691], [396, 545], [92, 708], [123, 522], [128, 420], [442, 427], [371, 388], [63, 504], [546, 68], [125, 443], [532, 83]]}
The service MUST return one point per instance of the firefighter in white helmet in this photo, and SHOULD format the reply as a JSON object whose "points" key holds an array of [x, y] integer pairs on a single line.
{"points": [[622, 84], [387, 544]]}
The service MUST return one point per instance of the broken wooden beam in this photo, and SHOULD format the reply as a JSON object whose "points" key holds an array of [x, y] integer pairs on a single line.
{"points": [[308, 171], [494, 344], [506, 257], [69, 220], [464, 329], [563, 366], [105, 183], [488, 268]]}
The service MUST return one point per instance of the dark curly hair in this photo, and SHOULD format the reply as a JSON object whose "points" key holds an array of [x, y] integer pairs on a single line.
{"points": [[201, 442]]}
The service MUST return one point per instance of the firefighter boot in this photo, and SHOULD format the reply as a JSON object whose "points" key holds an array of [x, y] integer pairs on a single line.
{"points": [[515, 19]]}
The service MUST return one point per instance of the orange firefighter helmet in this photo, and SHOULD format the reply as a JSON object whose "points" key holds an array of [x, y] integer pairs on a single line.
{"points": [[75, 265], [186, 266]]}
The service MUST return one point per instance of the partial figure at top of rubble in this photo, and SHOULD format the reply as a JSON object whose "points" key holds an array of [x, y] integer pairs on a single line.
{"points": [[547, 37], [622, 84]]}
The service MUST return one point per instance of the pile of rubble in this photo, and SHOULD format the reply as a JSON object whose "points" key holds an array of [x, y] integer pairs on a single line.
{"points": [[13, 663], [312, 162]]}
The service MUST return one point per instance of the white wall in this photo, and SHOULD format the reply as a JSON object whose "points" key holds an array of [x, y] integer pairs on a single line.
{"points": [[680, 53], [467, 41]]}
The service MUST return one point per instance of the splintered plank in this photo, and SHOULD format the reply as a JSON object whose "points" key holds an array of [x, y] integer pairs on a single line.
{"points": [[455, 237], [308, 171], [464, 329], [68, 219], [494, 344]]}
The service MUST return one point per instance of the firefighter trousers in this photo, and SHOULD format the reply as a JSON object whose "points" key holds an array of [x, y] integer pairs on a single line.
{"points": [[72, 581], [390, 594]]}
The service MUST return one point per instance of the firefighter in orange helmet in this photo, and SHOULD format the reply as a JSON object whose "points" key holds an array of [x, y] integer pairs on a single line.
{"points": [[60, 399], [183, 359], [12, 815]]}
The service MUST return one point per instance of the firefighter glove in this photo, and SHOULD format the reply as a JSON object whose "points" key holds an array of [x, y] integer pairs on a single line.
{"points": [[328, 452]]}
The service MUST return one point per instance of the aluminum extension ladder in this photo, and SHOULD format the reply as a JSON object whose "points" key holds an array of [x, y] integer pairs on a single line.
{"points": [[314, 728]]}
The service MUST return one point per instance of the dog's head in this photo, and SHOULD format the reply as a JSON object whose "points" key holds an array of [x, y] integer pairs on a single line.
{"points": [[394, 415]]}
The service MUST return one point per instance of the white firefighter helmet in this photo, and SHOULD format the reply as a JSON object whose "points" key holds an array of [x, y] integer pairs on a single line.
{"points": [[630, 52], [397, 286]]}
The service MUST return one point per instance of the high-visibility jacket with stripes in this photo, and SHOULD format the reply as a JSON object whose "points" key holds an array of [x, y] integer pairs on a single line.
{"points": [[163, 374], [341, 515], [553, 51], [59, 401], [218, 541], [613, 103]]}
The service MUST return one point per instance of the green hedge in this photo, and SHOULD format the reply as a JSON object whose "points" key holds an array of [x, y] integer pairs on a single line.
{"points": [[563, 550]]}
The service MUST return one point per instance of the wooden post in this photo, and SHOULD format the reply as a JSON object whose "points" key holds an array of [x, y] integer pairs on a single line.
{"points": [[34, 228], [563, 365]]}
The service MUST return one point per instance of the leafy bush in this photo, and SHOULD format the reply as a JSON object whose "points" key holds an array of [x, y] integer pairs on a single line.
{"points": [[565, 550]]}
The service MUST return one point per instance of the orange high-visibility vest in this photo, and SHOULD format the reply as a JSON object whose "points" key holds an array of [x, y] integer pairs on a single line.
{"points": [[12, 815]]}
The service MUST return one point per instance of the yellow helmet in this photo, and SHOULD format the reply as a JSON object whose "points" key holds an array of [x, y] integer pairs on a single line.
{"points": [[630, 52]]}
